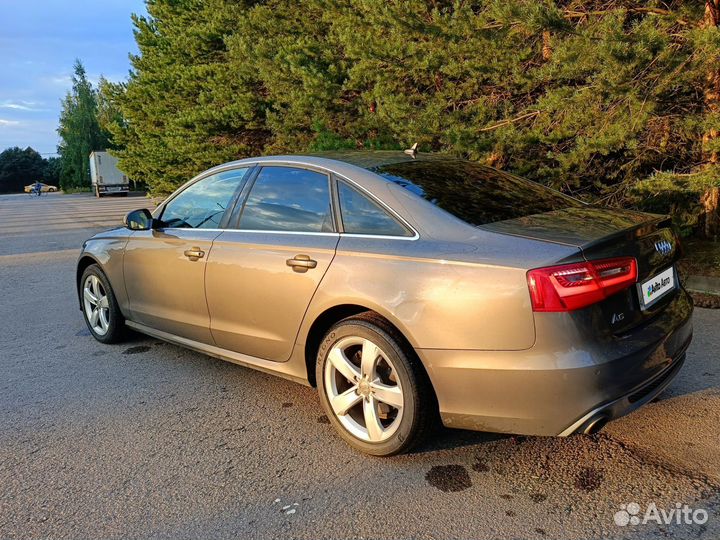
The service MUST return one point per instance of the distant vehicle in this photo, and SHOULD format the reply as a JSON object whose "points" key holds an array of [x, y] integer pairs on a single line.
{"points": [[43, 187], [404, 286], [106, 178]]}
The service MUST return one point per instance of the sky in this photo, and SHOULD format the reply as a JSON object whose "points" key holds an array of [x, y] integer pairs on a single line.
{"points": [[39, 42]]}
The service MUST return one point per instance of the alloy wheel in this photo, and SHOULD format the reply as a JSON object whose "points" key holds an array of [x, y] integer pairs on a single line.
{"points": [[96, 304], [363, 389]]}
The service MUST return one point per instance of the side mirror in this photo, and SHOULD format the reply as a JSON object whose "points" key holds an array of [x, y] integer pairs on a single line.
{"points": [[139, 220]]}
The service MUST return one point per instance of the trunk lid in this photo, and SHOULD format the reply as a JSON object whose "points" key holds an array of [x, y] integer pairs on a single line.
{"points": [[602, 233]]}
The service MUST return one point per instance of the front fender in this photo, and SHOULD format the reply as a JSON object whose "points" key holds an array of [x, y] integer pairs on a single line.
{"points": [[107, 250]]}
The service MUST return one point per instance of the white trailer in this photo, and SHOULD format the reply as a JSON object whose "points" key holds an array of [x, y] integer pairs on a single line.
{"points": [[106, 178]]}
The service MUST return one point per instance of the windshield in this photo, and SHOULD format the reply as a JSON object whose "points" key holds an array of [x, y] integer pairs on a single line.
{"points": [[475, 193]]}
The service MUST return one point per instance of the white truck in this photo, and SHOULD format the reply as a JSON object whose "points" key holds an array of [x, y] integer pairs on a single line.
{"points": [[106, 178]]}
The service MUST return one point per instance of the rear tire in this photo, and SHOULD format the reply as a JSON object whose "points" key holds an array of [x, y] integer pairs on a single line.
{"points": [[373, 388], [100, 308]]}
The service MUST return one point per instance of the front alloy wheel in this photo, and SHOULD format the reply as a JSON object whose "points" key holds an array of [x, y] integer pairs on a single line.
{"points": [[97, 307]]}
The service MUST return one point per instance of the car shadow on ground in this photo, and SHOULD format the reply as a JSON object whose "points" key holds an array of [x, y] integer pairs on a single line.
{"points": [[443, 438]]}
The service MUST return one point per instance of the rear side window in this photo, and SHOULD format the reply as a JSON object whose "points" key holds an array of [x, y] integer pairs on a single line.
{"points": [[474, 193], [202, 204], [360, 215], [288, 199]]}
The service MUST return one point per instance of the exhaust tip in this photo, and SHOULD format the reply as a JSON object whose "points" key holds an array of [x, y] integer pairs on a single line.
{"points": [[595, 424]]}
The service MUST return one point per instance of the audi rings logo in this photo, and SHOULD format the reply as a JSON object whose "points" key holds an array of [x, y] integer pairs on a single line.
{"points": [[663, 247]]}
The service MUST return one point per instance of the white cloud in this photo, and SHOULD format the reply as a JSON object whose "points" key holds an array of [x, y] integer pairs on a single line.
{"points": [[61, 80], [4, 122], [21, 105]]}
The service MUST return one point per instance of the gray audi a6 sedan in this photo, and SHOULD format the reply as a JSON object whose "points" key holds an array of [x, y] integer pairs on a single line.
{"points": [[405, 288]]}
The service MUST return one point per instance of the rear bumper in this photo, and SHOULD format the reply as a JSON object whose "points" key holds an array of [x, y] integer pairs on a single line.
{"points": [[628, 402], [565, 380], [112, 188]]}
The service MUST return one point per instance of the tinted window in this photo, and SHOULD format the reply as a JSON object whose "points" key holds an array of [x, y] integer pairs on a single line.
{"points": [[202, 204], [288, 199], [360, 215], [475, 193]]}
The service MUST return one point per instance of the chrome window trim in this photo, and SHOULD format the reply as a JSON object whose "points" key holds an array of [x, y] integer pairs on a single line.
{"points": [[260, 231], [381, 236], [310, 166], [163, 229], [255, 231], [336, 234]]}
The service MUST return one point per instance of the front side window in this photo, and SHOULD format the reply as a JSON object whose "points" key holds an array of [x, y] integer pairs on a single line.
{"points": [[288, 199], [360, 215], [202, 205]]}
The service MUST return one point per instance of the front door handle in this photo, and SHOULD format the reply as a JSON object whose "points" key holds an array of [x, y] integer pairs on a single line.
{"points": [[301, 263], [194, 253]]}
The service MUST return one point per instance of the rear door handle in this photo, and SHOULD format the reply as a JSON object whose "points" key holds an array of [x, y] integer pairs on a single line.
{"points": [[194, 253], [301, 263]]}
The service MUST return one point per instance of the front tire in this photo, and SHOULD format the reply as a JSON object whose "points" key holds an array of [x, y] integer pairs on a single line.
{"points": [[372, 386], [100, 308]]}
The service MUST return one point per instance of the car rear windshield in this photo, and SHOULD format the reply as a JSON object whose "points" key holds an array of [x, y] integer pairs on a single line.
{"points": [[475, 193]]}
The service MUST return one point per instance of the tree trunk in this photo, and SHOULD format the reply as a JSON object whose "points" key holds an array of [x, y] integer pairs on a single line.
{"points": [[710, 200], [546, 46]]}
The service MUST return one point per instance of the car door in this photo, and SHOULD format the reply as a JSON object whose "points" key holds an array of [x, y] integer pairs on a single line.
{"points": [[164, 267], [265, 268]]}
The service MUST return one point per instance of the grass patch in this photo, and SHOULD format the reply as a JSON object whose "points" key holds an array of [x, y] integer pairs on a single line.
{"points": [[70, 191]]}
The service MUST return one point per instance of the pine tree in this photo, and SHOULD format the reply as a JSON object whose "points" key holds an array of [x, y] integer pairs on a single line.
{"points": [[79, 131], [711, 137], [613, 101], [183, 108], [299, 71]]}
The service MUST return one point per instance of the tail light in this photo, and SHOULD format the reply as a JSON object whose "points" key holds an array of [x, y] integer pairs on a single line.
{"points": [[574, 286]]}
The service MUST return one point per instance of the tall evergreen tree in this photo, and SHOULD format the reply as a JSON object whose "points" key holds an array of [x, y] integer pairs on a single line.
{"points": [[184, 109], [711, 137], [299, 72], [612, 100], [79, 130]]}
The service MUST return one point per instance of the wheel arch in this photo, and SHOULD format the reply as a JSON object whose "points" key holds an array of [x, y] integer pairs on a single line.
{"points": [[82, 264], [331, 316]]}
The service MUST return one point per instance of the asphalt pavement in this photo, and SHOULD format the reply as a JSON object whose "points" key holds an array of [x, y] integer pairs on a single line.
{"points": [[149, 440]]}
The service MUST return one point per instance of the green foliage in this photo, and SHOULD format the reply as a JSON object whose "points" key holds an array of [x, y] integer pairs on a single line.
{"points": [[83, 189], [19, 168], [183, 108], [109, 115], [675, 194], [601, 99], [79, 131], [52, 171]]}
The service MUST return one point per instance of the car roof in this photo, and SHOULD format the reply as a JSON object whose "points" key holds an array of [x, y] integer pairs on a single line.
{"points": [[338, 161], [373, 159]]}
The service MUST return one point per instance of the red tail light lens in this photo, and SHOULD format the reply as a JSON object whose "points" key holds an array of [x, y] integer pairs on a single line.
{"points": [[574, 286]]}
